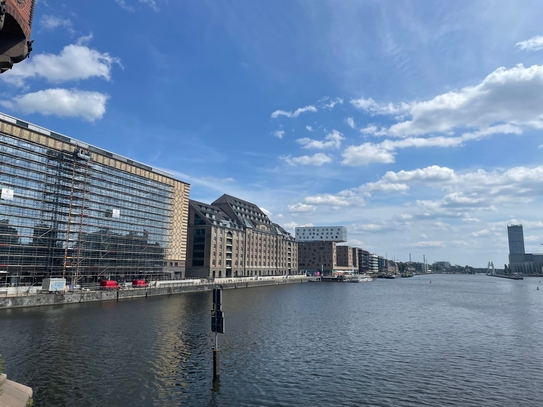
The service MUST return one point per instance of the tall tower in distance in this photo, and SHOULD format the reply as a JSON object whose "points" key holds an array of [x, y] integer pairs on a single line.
{"points": [[516, 245]]}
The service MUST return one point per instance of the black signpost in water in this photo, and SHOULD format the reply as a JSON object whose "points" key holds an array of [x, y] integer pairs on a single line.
{"points": [[217, 326]]}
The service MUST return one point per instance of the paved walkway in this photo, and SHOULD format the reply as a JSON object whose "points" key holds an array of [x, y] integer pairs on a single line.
{"points": [[13, 394]]}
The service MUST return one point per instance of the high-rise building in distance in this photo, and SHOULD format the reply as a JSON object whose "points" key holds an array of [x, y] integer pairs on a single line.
{"points": [[519, 260]]}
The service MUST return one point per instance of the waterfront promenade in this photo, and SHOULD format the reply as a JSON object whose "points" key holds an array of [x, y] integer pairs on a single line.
{"points": [[17, 297]]}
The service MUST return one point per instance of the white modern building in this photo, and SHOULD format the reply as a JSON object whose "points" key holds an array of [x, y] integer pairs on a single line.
{"points": [[321, 233], [374, 263]]}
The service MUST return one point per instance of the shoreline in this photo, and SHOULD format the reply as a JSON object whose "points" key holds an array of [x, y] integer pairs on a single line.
{"points": [[47, 299]]}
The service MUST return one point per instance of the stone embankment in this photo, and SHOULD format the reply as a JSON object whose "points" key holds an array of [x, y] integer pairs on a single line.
{"points": [[13, 394], [157, 288]]}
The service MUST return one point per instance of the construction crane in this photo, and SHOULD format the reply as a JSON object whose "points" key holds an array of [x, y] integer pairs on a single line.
{"points": [[15, 27]]}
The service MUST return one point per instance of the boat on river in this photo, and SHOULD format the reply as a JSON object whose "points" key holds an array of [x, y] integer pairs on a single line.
{"points": [[359, 278]]}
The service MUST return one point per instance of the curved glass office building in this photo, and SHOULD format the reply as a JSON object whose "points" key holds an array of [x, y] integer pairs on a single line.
{"points": [[68, 209]]}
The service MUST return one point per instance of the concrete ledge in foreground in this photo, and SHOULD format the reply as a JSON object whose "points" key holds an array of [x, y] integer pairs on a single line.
{"points": [[43, 299], [13, 394]]}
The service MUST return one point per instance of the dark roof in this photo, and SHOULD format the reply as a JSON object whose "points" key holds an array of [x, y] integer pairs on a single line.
{"points": [[214, 214], [246, 213], [240, 213]]}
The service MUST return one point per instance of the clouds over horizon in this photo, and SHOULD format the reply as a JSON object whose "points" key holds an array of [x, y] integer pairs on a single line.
{"points": [[462, 192], [398, 136]]}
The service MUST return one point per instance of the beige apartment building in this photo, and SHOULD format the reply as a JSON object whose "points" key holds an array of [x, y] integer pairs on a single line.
{"points": [[234, 238]]}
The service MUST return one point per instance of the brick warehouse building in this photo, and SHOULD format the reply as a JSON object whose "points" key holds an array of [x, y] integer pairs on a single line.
{"points": [[234, 238], [69, 209]]}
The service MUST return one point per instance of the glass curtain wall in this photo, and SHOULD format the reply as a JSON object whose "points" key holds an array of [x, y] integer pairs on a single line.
{"points": [[63, 215]]}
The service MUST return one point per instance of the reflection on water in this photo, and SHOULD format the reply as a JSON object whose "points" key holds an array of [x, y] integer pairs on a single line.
{"points": [[461, 340]]}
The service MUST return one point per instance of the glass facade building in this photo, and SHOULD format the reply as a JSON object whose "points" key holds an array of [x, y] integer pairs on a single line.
{"points": [[68, 209], [520, 261]]}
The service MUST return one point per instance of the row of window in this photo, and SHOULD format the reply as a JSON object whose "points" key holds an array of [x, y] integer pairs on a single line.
{"points": [[68, 214], [32, 153]]}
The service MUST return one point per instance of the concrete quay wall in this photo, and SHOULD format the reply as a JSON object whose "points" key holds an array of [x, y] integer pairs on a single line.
{"points": [[43, 299]]}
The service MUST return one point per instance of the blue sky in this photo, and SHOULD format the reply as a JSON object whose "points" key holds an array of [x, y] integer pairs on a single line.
{"points": [[416, 124]]}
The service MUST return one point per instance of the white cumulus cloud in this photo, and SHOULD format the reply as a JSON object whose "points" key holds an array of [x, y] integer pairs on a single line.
{"points": [[366, 153], [328, 200], [50, 22], [433, 173], [332, 140], [333, 103], [316, 159], [372, 107], [350, 122], [301, 208], [89, 106], [386, 147], [511, 96], [343, 199], [296, 113], [75, 62], [532, 44]]}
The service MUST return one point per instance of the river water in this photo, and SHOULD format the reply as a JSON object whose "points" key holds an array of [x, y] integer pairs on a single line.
{"points": [[434, 340]]}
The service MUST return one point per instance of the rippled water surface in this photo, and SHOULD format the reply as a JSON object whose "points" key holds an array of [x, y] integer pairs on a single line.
{"points": [[436, 340]]}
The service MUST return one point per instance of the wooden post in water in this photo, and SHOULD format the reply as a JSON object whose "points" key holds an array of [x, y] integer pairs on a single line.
{"points": [[217, 326]]}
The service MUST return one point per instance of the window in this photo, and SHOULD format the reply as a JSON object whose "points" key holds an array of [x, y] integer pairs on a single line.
{"points": [[198, 220]]}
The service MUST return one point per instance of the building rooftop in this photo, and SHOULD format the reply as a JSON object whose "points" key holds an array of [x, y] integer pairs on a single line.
{"points": [[38, 129]]}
